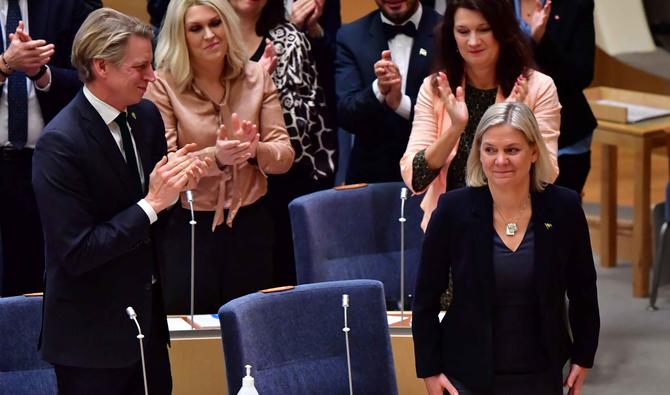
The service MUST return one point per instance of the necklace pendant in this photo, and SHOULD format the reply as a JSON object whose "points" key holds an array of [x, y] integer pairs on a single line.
{"points": [[511, 228]]}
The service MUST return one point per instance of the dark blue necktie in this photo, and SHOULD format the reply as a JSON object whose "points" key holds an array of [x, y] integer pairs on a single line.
{"points": [[129, 150], [17, 92]]}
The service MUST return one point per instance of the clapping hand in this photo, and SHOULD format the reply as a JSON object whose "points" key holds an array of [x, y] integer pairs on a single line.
{"points": [[453, 104], [25, 54], [240, 149], [538, 20], [389, 80], [174, 173], [305, 14], [269, 58], [519, 91]]}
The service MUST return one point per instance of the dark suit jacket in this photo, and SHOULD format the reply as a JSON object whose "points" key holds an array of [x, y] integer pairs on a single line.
{"points": [[100, 248], [57, 22], [381, 134], [323, 53], [566, 53], [459, 238]]}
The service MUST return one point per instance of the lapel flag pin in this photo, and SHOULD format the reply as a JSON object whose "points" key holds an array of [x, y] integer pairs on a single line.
{"points": [[548, 225], [423, 52]]}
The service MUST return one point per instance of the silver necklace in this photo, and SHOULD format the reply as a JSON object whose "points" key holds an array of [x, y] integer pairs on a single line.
{"points": [[511, 227]]}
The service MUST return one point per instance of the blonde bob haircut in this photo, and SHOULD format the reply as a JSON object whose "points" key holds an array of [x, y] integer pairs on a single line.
{"points": [[172, 51], [104, 35], [520, 117]]}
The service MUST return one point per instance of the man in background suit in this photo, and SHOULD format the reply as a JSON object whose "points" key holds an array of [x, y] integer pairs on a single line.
{"points": [[92, 170], [37, 81], [382, 58]]}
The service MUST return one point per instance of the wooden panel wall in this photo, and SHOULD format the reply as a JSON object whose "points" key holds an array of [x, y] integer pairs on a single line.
{"points": [[136, 8]]}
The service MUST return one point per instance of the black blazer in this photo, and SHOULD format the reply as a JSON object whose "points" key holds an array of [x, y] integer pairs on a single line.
{"points": [[381, 134], [459, 238], [566, 53], [99, 245], [57, 22]]}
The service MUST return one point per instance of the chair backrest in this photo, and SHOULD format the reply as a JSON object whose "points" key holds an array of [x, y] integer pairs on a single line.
{"points": [[355, 234], [295, 343], [22, 370]]}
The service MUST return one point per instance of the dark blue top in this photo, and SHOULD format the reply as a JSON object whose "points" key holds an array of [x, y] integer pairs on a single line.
{"points": [[516, 324]]}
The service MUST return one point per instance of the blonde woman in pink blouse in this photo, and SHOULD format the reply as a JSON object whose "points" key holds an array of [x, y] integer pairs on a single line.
{"points": [[210, 95], [483, 59]]}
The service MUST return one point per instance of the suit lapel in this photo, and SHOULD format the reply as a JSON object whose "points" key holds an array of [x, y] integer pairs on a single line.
{"points": [[482, 241], [99, 131], [378, 41], [543, 226], [419, 60]]}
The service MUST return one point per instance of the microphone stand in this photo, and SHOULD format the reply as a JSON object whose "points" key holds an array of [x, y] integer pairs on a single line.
{"points": [[189, 198], [402, 220], [346, 329], [133, 316]]}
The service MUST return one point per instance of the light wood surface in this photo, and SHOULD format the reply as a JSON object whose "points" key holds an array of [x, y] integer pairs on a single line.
{"points": [[640, 138], [198, 365], [137, 8]]}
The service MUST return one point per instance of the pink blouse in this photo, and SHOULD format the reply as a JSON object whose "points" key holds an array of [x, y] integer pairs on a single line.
{"points": [[191, 117]]}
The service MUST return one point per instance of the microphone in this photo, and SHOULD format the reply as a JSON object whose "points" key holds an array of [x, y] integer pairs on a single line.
{"points": [[404, 192], [131, 313], [346, 329], [189, 198], [133, 316]]}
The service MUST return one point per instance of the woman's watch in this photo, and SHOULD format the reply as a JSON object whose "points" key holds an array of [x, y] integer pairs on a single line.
{"points": [[40, 73]]}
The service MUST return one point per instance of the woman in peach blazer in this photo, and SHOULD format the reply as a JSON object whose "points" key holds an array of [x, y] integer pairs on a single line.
{"points": [[486, 60]]}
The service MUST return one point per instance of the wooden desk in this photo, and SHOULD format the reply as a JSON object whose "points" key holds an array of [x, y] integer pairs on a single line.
{"points": [[641, 138], [198, 366]]}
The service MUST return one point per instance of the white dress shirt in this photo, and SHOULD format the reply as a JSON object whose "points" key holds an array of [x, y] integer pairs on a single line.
{"points": [[35, 120], [401, 49], [108, 115], [440, 6]]}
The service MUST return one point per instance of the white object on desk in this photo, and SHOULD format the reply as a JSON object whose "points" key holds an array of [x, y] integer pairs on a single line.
{"points": [[636, 112], [248, 387]]}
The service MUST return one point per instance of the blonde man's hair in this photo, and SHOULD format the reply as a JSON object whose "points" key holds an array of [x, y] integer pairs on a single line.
{"points": [[172, 51], [104, 35], [520, 117]]}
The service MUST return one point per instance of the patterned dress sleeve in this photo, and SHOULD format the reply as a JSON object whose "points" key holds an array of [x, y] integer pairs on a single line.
{"points": [[422, 174], [303, 102]]}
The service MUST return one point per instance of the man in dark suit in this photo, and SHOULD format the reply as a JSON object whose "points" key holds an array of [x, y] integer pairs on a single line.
{"points": [[92, 170], [37, 81], [381, 62], [563, 37]]}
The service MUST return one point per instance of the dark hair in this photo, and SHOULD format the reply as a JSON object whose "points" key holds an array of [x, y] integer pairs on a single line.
{"points": [[272, 15], [515, 56]]}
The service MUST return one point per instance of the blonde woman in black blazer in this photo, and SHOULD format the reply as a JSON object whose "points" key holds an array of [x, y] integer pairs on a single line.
{"points": [[515, 247]]}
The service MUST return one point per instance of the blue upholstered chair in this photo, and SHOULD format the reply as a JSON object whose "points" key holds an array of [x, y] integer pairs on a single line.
{"points": [[22, 371], [294, 340], [661, 255], [354, 234]]}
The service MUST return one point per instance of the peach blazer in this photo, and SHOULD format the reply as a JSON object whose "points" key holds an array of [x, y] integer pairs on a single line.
{"points": [[191, 117], [431, 120]]}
